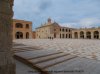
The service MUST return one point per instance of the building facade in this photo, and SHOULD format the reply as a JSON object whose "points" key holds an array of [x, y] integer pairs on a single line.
{"points": [[86, 33], [22, 29], [34, 34], [53, 30], [65, 32]]}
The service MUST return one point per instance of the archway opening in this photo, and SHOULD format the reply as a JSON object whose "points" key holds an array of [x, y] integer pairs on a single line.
{"points": [[88, 35], [76, 35], [19, 35], [54, 35], [27, 35], [96, 35], [19, 25], [63, 35], [60, 35], [82, 34]]}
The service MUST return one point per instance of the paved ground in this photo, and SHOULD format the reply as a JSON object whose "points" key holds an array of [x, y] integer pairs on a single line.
{"points": [[79, 47], [59, 56], [24, 69]]}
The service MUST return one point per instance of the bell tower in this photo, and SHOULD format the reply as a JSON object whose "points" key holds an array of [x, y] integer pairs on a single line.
{"points": [[49, 20]]}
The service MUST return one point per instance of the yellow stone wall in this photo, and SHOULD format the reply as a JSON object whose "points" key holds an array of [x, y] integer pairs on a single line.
{"points": [[23, 30], [85, 30], [53, 30]]}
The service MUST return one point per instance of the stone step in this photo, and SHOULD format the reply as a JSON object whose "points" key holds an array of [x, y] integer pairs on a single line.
{"points": [[22, 50], [39, 57], [15, 44], [25, 61], [37, 53], [48, 58], [56, 61]]}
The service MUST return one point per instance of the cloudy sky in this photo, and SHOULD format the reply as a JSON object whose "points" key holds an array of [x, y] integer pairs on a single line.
{"points": [[71, 13]]}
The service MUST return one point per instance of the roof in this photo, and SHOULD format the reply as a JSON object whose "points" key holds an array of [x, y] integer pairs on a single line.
{"points": [[18, 20], [87, 29], [45, 25]]}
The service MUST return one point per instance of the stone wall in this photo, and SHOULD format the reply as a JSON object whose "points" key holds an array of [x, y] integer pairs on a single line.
{"points": [[7, 65], [91, 30]]}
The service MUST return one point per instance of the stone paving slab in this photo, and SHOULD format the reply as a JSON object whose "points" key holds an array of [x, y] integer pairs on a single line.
{"points": [[53, 62], [47, 58], [67, 45], [33, 54], [85, 65], [24, 69], [22, 50], [84, 55]]}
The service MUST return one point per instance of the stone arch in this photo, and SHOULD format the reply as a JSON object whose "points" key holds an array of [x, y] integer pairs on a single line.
{"points": [[54, 35], [19, 35], [63, 35], [88, 35], [66, 35], [76, 35], [63, 29], [27, 35], [96, 34], [60, 35], [82, 34], [19, 25]]}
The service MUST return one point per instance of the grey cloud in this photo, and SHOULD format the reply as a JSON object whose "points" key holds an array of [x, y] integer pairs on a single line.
{"points": [[45, 4]]}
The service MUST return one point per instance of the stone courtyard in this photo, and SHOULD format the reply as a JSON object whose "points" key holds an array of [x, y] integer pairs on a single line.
{"points": [[80, 47], [59, 56]]}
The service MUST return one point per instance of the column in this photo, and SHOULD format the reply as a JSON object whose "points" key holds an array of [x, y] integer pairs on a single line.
{"points": [[85, 35], [99, 34], [92, 36], [73, 35], [78, 35], [7, 65]]}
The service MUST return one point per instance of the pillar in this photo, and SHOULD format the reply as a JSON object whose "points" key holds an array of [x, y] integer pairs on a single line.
{"points": [[99, 34], [85, 35], [78, 35], [73, 35], [7, 65], [92, 35]]}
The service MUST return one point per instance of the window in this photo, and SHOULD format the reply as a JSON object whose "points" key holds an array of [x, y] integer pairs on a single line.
{"points": [[60, 29], [54, 29], [69, 30], [60, 35], [27, 25], [19, 25], [63, 30]]}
